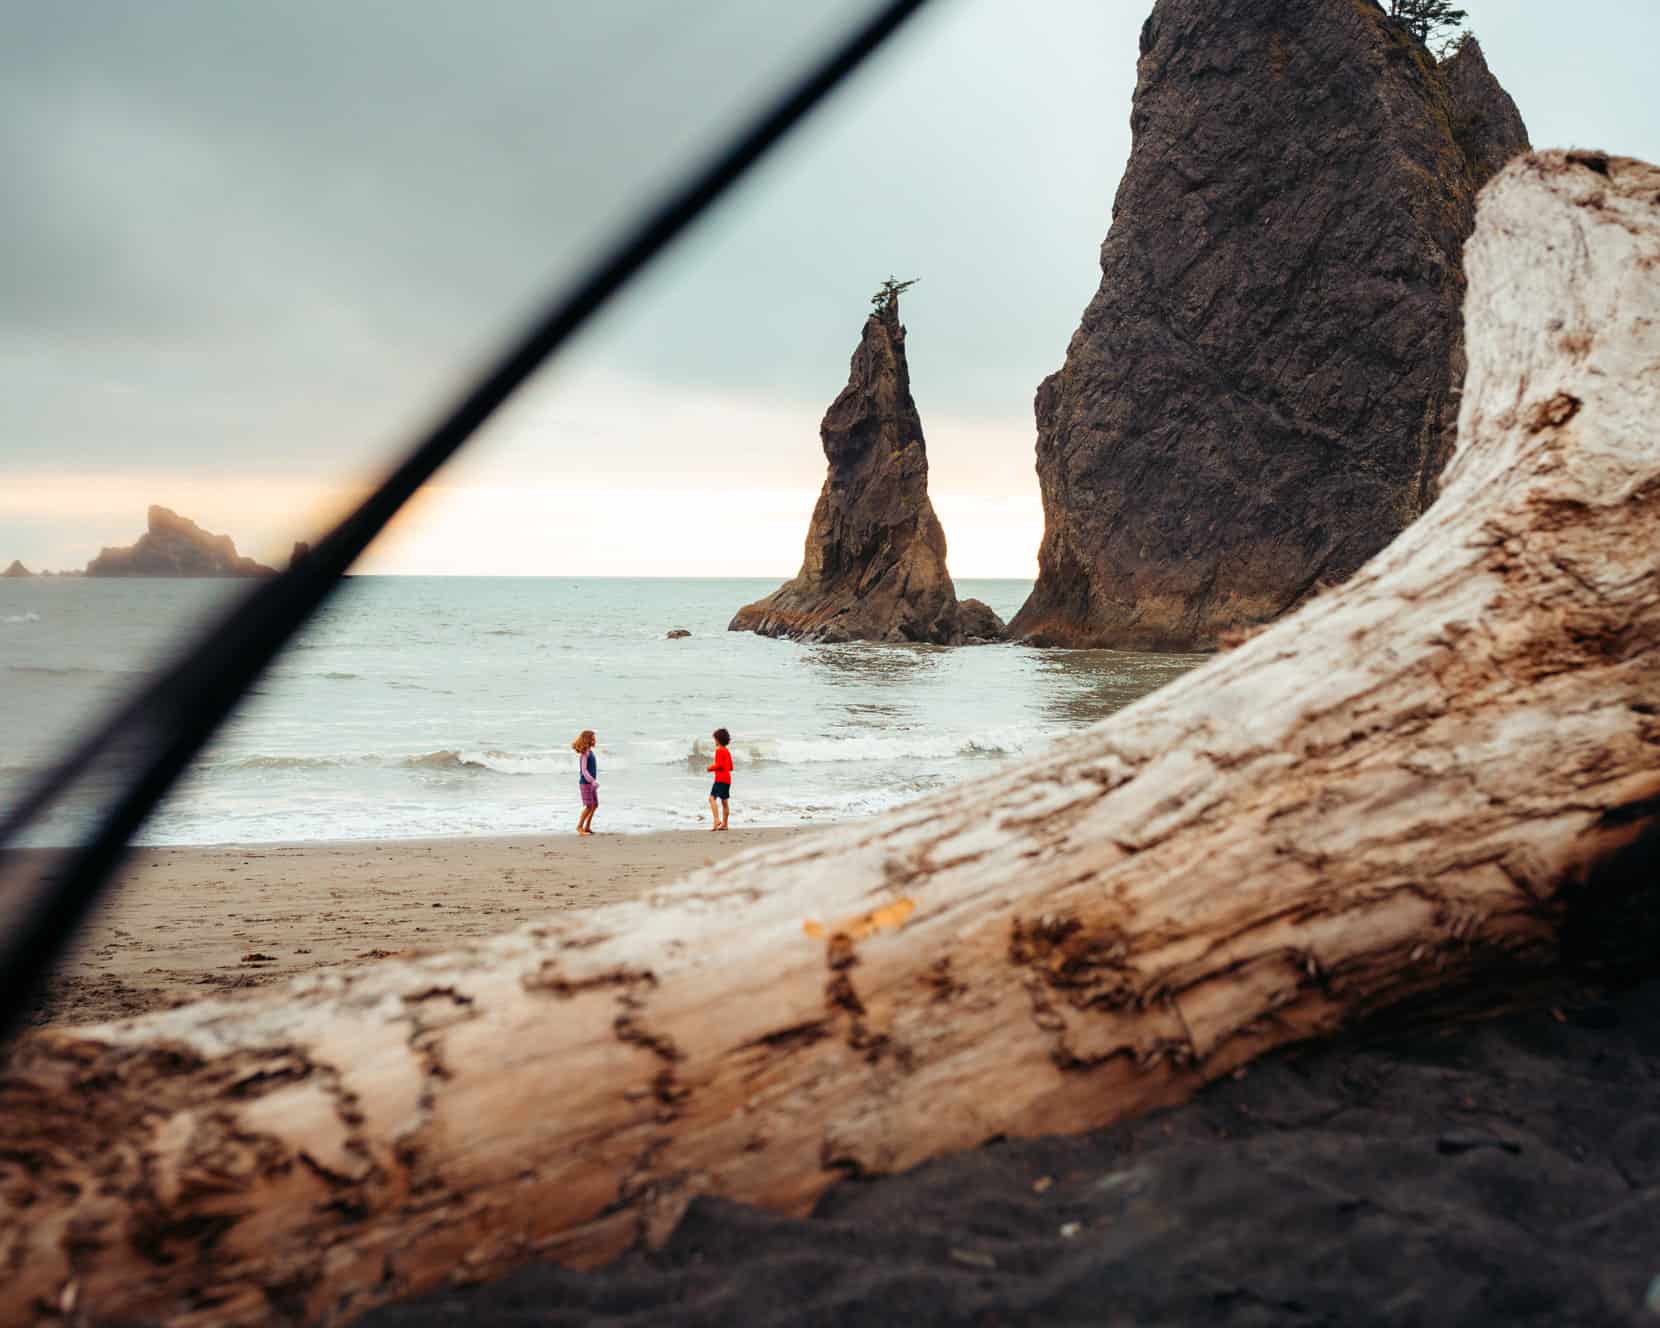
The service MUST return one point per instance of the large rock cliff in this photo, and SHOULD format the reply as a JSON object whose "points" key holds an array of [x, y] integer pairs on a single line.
{"points": [[173, 545], [1262, 392], [874, 565]]}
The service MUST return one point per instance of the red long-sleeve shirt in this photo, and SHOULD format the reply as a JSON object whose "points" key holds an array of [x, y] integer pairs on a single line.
{"points": [[722, 766]]}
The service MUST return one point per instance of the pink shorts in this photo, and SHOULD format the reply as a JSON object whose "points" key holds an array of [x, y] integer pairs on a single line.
{"points": [[590, 795]]}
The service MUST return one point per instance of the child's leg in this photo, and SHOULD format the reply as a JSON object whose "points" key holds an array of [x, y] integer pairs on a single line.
{"points": [[714, 813], [725, 812]]}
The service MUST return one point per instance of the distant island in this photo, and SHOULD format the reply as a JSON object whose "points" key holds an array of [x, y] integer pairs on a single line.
{"points": [[174, 546]]}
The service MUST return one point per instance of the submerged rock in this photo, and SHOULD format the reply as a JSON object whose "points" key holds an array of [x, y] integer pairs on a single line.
{"points": [[678, 633], [874, 565], [173, 545], [1262, 393], [17, 569]]}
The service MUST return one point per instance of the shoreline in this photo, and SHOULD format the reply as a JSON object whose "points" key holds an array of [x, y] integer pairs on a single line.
{"points": [[138, 850], [187, 922]]}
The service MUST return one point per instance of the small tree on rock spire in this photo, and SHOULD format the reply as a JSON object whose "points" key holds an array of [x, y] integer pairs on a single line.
{"points": [[889, 292]]}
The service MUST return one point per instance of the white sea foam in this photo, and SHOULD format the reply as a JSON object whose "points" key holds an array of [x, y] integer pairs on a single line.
{"points": [[900, 747], [279, 763], [445, 760], [67, 671], [20, 618]]}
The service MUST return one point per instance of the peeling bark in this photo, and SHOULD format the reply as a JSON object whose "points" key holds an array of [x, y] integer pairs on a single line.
{"points": [[1396, 794]]}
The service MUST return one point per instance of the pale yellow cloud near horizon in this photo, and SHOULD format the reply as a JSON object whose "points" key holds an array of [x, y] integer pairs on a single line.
{"points": [[85, 512], [585, 474], [574, 528], [579, 530]]}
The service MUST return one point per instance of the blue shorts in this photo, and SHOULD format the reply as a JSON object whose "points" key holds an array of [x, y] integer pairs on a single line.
{"points": [[719, 790]]}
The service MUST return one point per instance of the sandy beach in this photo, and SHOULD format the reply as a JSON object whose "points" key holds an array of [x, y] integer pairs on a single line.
{"points": [[1499, 1172], [185, 923]]}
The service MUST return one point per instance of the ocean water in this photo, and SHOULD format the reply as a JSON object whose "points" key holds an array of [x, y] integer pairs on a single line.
{"points": [[437, 706]]}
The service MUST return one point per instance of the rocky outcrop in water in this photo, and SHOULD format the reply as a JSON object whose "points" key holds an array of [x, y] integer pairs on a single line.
{"points": [[1262, 393], [17, 569], [173, 545], [874, 565]]}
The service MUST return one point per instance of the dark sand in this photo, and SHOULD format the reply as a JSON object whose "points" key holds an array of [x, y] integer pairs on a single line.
{"points": [[1503, 1173]]}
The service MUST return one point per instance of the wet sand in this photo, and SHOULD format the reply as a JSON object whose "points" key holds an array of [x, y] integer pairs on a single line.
{"points": [[192, 922]]}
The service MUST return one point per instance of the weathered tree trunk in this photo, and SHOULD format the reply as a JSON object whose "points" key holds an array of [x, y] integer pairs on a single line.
{"points": [[1393, 793]]}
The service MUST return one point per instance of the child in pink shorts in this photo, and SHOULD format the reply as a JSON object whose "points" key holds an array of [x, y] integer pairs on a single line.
{"points": [[587, 780]]}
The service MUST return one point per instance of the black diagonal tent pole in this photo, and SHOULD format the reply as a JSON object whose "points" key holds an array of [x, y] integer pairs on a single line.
{"points": [[161, 729]]}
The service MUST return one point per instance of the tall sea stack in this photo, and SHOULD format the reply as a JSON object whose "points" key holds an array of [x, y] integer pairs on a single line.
{"points": [[1263, 391], [874, 564]]}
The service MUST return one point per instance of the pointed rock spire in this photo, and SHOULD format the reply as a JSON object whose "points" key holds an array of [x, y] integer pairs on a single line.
{"points": [[874, 564]]}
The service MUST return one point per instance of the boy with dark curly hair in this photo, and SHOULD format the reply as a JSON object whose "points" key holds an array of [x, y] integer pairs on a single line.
{"points": [[721, 790]]}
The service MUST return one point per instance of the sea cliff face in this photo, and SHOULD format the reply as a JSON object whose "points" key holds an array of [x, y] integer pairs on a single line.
{"points": [[874, 564], [173, 545], [1263, 391]]}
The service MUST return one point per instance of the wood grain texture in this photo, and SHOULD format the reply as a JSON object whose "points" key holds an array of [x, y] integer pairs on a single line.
{"points": [[1394, 793]]}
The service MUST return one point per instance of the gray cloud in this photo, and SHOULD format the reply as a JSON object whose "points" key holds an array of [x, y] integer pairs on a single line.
{"points": [[300, 215], [266, 236]]}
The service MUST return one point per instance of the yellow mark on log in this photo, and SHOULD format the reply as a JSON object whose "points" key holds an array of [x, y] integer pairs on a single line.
{"points": [[866, 924]]}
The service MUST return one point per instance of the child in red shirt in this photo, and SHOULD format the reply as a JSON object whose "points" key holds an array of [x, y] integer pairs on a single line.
{"points": [[721, 789]]}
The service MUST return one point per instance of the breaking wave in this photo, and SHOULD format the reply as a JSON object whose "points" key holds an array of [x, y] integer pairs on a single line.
{"points": [[285, 763], [905, 747], [67, 671], [445, 760]]}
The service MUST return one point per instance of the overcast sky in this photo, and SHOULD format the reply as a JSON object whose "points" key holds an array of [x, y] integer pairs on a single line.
{"points": [[250, 247]]}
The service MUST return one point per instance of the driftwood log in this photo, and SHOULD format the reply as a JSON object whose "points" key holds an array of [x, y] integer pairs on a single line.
{"points": [[1396, 793]]}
